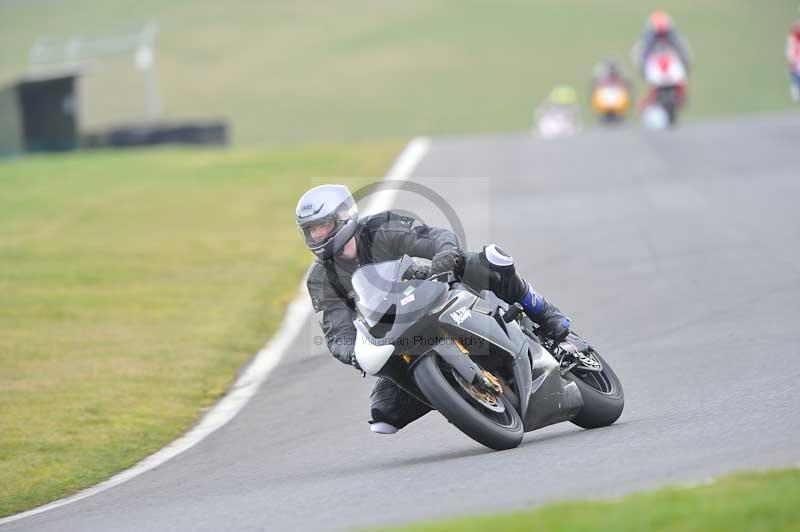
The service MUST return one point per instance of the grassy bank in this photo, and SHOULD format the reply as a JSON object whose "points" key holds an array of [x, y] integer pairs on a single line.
{"points": [[745, 502], [354, 69], [133, 286]]}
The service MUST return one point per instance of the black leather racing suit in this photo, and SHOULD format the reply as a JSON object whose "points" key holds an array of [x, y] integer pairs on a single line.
{"points": [[382, 237]]}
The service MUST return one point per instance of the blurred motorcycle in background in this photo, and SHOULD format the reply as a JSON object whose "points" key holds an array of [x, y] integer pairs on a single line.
{"points": [[794, 87], [666, 77], [793, 59], [611, 92], [559, 115]]}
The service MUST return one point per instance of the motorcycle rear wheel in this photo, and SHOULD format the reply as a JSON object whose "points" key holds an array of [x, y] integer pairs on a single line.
{"points": [[498, 430], [603, 398]]}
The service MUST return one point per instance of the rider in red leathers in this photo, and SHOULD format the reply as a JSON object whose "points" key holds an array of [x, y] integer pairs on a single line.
{"points": [[660, 33], [793, 57]]}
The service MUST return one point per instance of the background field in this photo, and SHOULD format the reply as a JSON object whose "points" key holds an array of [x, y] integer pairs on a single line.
{"points": [[134, 285], [288, 71]]}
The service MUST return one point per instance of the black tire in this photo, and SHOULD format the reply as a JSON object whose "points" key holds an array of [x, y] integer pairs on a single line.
{"points": [[446, 396], [668, 97], [603, 398], [672, 116]]}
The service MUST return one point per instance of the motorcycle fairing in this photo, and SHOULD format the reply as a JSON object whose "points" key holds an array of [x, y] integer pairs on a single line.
{"points": [[546, 398], [389, 305], [371, 354], [541, 394], [484, 326], [552, 399]]}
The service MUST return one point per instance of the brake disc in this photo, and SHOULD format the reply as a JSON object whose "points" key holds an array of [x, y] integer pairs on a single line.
{"points": [[485, 398], [589, 361]]}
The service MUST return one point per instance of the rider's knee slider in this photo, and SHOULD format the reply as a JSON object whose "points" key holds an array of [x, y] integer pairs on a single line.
{"points": [[497, 259], [507, 283]]}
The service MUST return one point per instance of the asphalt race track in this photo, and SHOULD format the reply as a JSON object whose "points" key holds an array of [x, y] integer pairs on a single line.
{"points": [[676, 253]]}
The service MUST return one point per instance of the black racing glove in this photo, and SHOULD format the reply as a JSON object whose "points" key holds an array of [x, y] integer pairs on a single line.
{"points": [[418, 269], [448, 260], [556, 327]]}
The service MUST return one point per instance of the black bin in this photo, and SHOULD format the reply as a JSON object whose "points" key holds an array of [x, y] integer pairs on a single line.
{"points": [[48, 113]]}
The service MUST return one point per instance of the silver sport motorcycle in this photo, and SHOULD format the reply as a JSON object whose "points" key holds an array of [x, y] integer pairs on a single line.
{"points": [[477, 360]]}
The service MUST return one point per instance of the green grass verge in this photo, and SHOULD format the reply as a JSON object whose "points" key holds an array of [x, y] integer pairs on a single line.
{"points": [[133, 285], [350, 69], [745, 502]]}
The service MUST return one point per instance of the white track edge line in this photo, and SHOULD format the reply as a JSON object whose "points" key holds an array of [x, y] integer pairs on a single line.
{"points": [[248, 383]]}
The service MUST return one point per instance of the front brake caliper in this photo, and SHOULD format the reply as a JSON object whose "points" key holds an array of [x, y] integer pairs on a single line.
{"points": [[570, 357], [490, 382]]}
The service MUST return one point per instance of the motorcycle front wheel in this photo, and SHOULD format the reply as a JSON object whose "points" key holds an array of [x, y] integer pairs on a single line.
{"points": [[489, 419]]}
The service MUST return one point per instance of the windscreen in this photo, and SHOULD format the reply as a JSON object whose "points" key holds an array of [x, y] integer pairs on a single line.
{"points": [[389, 304], [374, 285]]}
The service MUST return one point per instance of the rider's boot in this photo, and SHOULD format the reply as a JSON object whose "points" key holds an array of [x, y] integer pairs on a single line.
{"points": [[554, 323], [392, 408]]}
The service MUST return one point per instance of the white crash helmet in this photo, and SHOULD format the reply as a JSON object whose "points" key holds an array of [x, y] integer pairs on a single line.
{"points": [[322, 205]]}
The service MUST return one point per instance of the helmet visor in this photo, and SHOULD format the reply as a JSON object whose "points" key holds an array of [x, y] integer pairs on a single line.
{"points": [[316, 233]]}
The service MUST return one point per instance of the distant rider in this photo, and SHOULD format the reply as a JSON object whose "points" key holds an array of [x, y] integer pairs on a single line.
{"points": [[327, 217], [660, 34], [793, 57], [610, 72]]}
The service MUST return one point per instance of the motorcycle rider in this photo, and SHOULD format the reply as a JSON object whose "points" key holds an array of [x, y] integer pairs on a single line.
{"points": [[327, 217], [793, 57], [660, 33], [610, 72]]}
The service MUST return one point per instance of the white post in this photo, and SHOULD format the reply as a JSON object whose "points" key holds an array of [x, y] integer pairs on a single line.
{"points": [[73, 51], [145, 61]]}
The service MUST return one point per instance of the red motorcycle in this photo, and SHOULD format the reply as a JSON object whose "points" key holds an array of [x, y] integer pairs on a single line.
{"points": [[666, 77]]}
